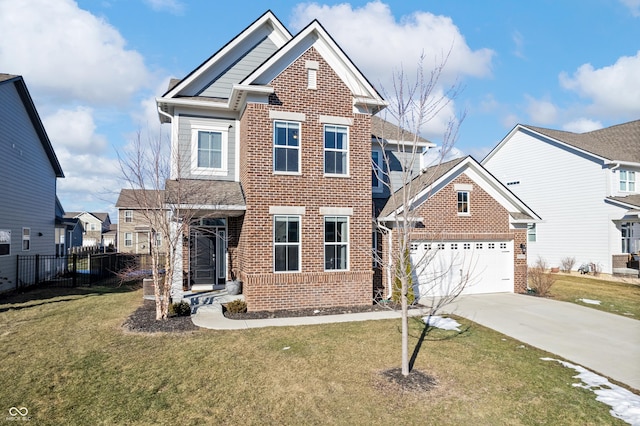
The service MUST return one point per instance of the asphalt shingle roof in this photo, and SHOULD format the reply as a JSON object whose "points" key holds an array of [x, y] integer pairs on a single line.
{"points": [[617, 143], [383, 129]]}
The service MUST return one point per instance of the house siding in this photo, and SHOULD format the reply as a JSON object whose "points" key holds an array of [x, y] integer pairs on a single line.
{"points": [[186, 124], [221, 86], [567, 189], [29, 185], [264, 289]]}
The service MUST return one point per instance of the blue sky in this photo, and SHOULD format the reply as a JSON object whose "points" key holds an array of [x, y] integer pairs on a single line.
{"points": [[94, 67]]}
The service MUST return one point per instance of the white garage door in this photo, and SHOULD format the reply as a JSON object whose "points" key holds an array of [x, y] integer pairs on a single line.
{"points": [[482, 267]]}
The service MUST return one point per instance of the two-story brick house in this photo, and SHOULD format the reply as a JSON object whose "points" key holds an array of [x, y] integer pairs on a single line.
{"points": [[274, 130]]}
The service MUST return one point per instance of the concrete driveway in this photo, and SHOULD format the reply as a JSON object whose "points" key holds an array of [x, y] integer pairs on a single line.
{"points": [[604, 343]]}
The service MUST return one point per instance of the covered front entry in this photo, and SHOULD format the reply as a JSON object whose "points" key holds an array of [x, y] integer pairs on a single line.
{"points": [[481, 266], [208, 253]]}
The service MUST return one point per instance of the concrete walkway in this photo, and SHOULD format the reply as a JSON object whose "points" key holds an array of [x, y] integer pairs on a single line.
{"points": [[599, 341], [604, 343]]}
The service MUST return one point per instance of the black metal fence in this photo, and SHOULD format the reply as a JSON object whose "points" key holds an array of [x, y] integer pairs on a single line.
{"points": [[76, 270]]}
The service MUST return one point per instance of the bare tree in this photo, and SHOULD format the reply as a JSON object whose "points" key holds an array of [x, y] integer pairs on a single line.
{"points": [[413, 104]]}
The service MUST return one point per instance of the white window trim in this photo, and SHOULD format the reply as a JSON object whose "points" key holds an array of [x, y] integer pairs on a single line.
{"points": [[5, 239], [346, 151], [224, 169], [130, 239], [128, 216], [26, 237], [299, 148], [347, 243], [532, 231], [275, 244], [158, 239], [630, 177], [380, 187], [468, 212]]}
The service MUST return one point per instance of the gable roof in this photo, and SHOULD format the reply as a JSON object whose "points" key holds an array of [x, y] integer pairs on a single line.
{"points": [[267, 38], [102, 217], [387, 132], [434, 178], [23, 92], [619, 143], [140, 198]]}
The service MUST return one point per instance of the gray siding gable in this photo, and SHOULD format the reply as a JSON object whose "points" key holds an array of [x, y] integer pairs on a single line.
{"points": [[222, 84]]}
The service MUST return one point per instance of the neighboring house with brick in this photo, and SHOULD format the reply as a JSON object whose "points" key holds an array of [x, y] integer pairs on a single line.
{"points": [[278, 129], [134, 234], [29, 170], [94, 225], [467, 227], [586, 187]]}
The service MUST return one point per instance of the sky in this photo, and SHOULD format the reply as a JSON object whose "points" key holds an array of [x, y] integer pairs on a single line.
{"points": [[95, 67]]}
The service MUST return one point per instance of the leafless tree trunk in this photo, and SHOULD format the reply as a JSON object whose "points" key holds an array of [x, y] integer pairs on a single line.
{"points": [[413, 104]]}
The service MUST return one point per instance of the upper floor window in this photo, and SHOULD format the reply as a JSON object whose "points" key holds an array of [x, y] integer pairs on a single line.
{"points": [[531, 232], [128, 216], [158, 239], [286, 147], [627, 181], [336, 243], [463, 202], [336, 150], [376, 171], [286, 243], [26, 239], [209, 150]]}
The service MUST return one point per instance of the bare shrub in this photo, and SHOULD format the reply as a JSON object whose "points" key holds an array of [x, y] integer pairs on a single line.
{"points": [[540, 281], [567, 264], [596, 268]]}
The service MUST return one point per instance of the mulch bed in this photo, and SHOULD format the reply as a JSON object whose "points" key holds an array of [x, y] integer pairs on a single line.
{"points": [[307, 312], [143, 320]]}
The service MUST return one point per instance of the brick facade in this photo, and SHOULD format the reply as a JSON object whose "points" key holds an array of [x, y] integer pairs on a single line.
{"points": [[312, 286]]}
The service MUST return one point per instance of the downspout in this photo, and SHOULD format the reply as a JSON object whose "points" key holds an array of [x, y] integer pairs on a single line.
{"points": [[161, 112], [389, 250]]}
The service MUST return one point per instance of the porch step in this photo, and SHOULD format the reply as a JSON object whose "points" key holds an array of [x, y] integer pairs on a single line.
{"points": [[201, 287]]}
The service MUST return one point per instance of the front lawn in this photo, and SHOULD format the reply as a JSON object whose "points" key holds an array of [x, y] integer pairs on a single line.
{"points": [[615, 297], [67, 360]]}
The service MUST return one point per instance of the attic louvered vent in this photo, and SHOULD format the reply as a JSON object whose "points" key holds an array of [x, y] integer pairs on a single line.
{"points": [[312, 74]]}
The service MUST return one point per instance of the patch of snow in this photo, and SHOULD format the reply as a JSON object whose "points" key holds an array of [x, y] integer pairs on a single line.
{"points": [[440, 322], [624, 405], [590, 301], [286, 348]]}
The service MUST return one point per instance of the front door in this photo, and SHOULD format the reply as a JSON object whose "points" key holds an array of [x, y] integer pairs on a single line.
{"points": [[208, 256]]}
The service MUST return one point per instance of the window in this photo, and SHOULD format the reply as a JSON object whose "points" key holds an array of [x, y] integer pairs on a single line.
{"points": [[627, 181], [336, 150], [376, 171], [336, 243], [629, 237], [209, 150], [503, 246], [478, 246], [286, 243], [466, 246], [128, 239], [26, 239], [454, 246], [286, 147], [491, 246], [440, 246], [92, 227], [413, 247], [463, 202], [128, 216], [531, 232], [5, 242], [158, 239]]}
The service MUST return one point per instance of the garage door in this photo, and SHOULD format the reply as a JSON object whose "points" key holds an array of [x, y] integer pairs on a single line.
{"points": [[483, 267]]}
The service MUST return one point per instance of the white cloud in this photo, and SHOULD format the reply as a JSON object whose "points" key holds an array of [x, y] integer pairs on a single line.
{"points": [[175, 7], [541, 111], [398, 45], [518, 41], [633, 5], [74, 130], [613, 89], [380, 44], [582, 125], [67, 53]]}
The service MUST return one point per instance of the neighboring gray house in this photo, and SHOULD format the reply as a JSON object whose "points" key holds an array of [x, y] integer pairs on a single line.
{"points": [[585, 186], [94, 226], [68, 231], [28, 172]]}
